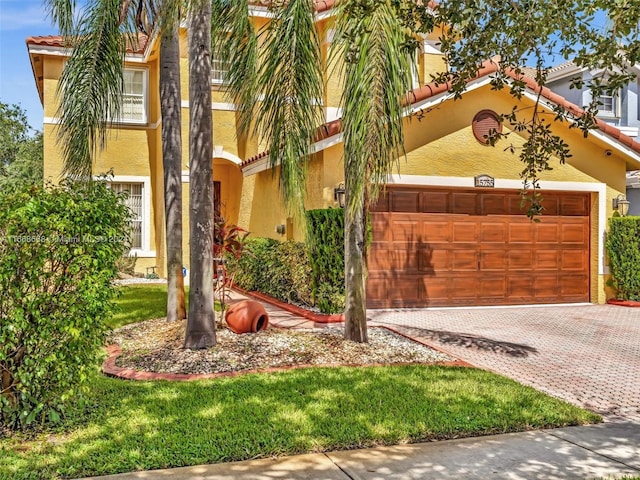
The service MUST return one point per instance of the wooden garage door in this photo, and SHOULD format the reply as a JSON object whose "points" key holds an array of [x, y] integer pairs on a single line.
{"points": [[450, 247]]}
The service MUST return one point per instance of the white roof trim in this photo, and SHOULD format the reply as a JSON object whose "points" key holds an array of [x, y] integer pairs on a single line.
{"points": [[260, 166]]}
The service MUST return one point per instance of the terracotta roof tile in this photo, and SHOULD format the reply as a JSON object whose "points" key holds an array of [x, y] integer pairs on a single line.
{"points": [[487, 68], [58, 42]]}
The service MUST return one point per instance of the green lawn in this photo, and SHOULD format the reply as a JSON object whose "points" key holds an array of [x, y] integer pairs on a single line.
{"points": [[142, 425], [126, 426], [140, 302]]}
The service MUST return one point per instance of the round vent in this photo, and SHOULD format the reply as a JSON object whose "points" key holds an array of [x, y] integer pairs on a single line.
{"points": [[483, 123]]}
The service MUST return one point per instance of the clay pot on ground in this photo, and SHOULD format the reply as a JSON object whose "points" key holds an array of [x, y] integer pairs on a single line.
{"points": [[247, 316]]}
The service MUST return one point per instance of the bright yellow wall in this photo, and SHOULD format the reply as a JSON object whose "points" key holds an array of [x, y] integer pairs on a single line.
{"points": [[230, 178]]}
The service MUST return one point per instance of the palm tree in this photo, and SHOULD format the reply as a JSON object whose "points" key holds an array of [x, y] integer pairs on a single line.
{"points": [[201, 331], [170, 108], [91, 87], [372, 50]]}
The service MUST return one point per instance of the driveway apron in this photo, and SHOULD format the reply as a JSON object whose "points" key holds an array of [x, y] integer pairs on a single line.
{"points": [[588, 355]]}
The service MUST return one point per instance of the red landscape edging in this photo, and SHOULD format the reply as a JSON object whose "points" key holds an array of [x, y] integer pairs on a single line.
{"points": [[304, 313], [110, 369], [623, 303]]}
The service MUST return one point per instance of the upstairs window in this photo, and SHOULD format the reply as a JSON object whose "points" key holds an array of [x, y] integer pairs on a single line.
{"points": [[134, 98], [219, 70], [608, 105]]}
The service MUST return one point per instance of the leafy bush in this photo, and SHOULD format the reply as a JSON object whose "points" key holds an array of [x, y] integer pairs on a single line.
{"points": [[279, 269], [325, 241], [59, 247], [623, 247]]}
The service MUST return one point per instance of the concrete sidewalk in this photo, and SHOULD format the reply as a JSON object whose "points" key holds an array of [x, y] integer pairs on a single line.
{"points": [[607, 450]]}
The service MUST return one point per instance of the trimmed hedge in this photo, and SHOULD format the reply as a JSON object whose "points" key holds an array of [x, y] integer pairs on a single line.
{"points": [[325, 241], [623, 248], [279, 269], [310, 274], [59, 248]]}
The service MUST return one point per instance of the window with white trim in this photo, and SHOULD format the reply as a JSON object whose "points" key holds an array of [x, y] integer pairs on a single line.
{"points": [[135, 202], [608, 105], [219, 70], [134, 98]]}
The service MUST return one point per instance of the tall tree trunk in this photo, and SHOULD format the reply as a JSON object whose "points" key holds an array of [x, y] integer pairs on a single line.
{"points": [[200, 324], [170, 106], [355, 313]]}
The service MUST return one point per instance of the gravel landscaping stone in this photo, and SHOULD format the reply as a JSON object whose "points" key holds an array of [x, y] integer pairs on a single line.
{"points": [[156, 346]]}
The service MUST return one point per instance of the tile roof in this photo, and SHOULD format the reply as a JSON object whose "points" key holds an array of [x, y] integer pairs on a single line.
{"points": [[488, 67], [318, 5], [58, 42]]}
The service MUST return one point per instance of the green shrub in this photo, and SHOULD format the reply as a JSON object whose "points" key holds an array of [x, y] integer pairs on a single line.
{"points": [[325, 241], [279, 269], [59, 247], [623, 248]]}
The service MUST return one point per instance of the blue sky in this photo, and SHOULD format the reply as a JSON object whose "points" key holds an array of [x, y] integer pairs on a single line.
{"points": [[20, 19]]}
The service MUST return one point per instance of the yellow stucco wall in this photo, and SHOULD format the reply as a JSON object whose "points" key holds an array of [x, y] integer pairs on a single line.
{"points": [[441, 144]]}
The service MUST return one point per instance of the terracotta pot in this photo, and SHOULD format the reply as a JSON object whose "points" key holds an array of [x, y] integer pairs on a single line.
{"points": [[247, 316]]}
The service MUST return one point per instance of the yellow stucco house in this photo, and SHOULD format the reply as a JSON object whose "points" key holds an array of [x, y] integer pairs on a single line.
{"points": [[449, 229]]}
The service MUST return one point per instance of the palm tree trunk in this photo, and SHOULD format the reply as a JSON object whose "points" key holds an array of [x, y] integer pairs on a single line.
{"points": [[170, 105], [200, 324], [355, 313]]}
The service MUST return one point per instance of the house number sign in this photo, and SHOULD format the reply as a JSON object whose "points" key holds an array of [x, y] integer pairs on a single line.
{"points": [[484, 181]]}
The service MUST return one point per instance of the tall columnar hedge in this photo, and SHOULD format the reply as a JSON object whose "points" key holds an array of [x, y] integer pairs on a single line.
{"points": [[58, 252], [623, 247], [325, 241]]}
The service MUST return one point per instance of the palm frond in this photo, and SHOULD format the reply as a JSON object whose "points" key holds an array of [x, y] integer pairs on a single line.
{"points": [[91, 85], [235, 43], [377, 75], [291, 80], [62, 14]]}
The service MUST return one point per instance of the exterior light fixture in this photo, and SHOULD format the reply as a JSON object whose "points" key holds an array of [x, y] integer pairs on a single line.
{"points": [[621, 204], [340, 195]]}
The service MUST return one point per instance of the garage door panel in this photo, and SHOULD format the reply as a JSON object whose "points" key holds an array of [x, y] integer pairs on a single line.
{"points": [[493, 204], [403, 231], [574, 205], [492, 287], [435, 202], [404, 201], [520, 259], [547, 232], [521, 232], [546, 260], [464, 261], [436, 231], [493, 260], [519, 286], [379, 259], [493, 232], [576, 234], [546, 286], [464, 232], [573, 260], [573, 285], [463, 203], [436, 290], [464, 287], [436, 261], [494, 256]]}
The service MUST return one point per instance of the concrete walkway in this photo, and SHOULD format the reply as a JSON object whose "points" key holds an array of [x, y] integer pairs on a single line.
{"points": [[589, 355], [599, 451]]}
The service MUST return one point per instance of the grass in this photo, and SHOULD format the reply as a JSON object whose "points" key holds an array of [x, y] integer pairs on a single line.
{"points": [[144, 302], [125, 426], [138, 303], [130, 426]]}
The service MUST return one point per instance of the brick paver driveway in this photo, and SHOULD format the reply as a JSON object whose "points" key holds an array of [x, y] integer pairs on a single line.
{"points": [[588, 355]]}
